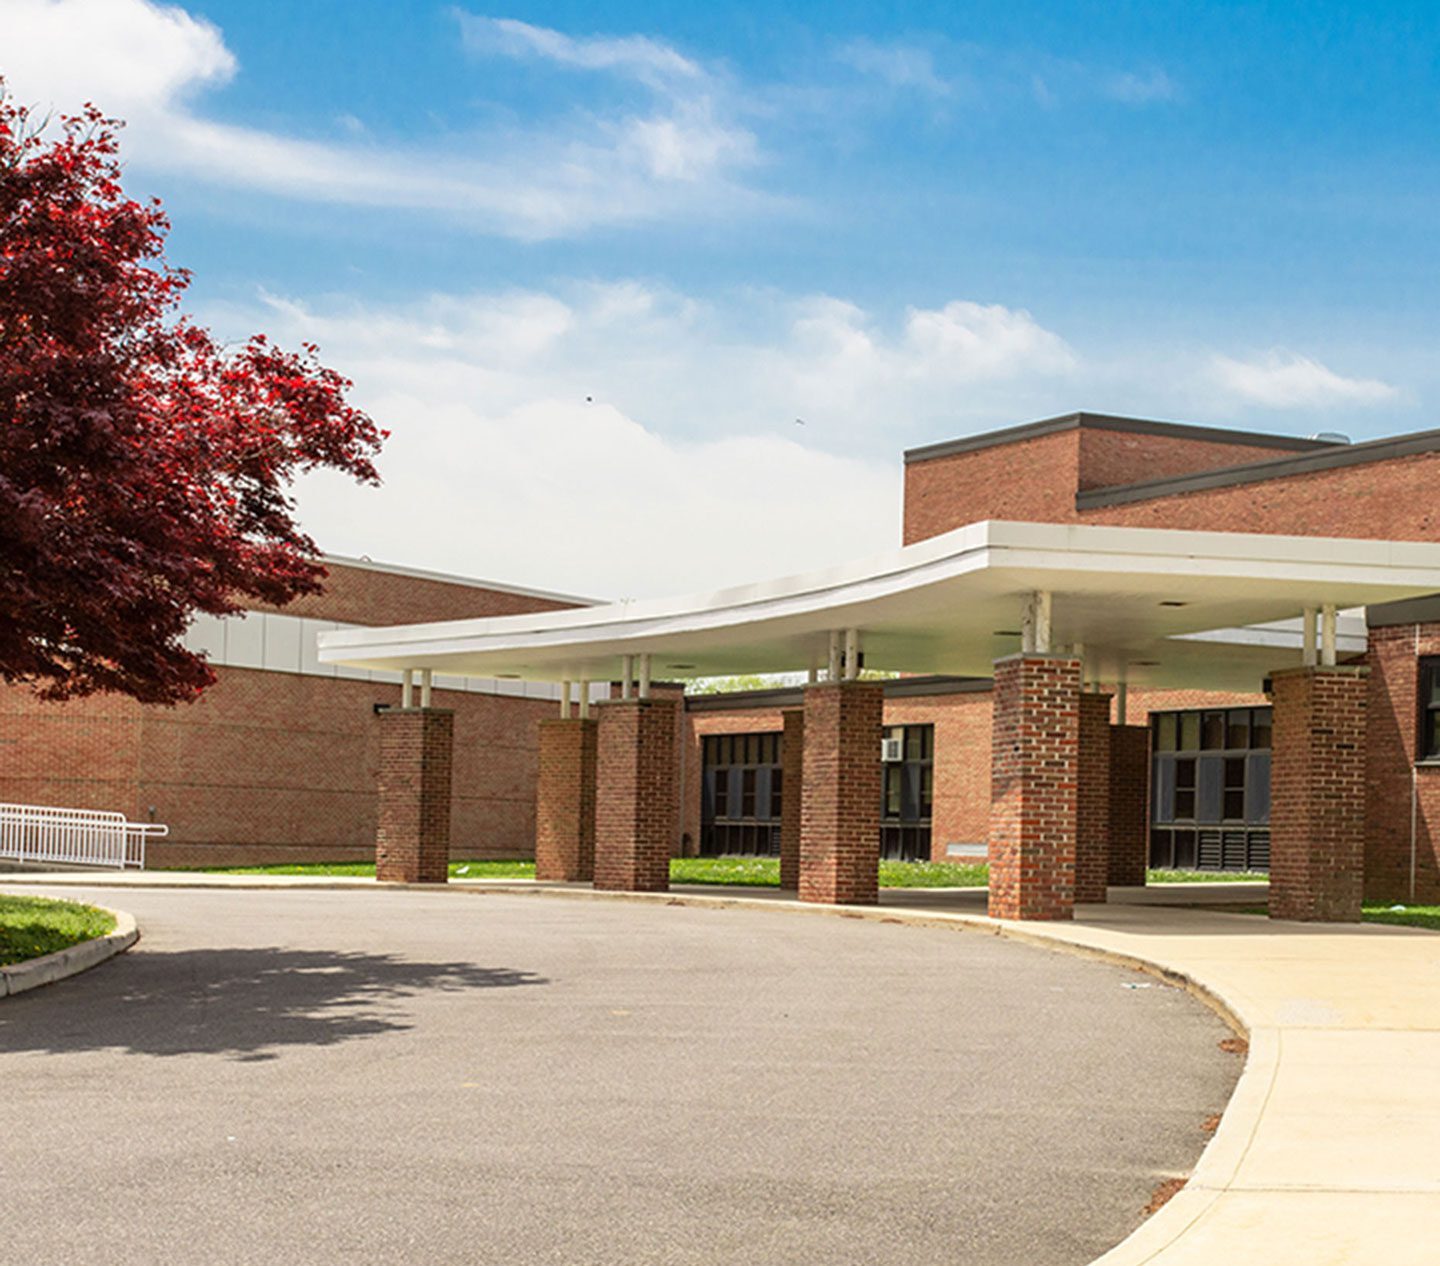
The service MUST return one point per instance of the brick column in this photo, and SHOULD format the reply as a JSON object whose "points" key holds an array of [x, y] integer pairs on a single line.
{"points": [[1034, 757], [412, 844], [1317, 794], [840, 793], [636, 797], [792, 774], [565, 800], [1129, 804], [1092, 798]]}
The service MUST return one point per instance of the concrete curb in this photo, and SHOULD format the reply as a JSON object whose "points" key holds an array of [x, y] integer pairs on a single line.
{"points": [[45, 970]]}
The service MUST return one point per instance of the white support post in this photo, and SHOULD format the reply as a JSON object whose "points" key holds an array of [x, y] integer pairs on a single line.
{"points": [[1307, 623], [1327, 635], [645, 675], [852, 654], [584, 699], [1042, 622], [1122, 700], [425, 678], [564, 700], [813, 676], [1027, 626], [1078, 652], [627, 675], [407, 688], [832, 671]]}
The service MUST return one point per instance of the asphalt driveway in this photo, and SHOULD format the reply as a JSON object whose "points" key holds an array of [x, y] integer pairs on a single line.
{"points": [[401, 1076]]}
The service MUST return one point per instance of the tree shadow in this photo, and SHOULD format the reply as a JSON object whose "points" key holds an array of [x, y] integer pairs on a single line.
{"points": [[242, 1003]]}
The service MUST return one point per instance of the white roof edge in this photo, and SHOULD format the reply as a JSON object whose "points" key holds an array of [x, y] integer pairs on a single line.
{"points": [[420, 573], [966, 546]]}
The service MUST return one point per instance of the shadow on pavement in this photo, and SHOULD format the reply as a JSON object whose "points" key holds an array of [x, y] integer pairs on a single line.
{"points": [[243, 1003]]}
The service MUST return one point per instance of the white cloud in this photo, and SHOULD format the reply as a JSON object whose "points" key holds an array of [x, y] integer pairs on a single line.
{"points": [[1134, 88], [899, 65], [647, 60], [685, 466], [1285, 380], [149, 63]]}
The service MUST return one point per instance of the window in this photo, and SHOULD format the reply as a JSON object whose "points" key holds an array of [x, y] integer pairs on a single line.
{"points": [[740, 795], [1429, 746], [907, 792]]}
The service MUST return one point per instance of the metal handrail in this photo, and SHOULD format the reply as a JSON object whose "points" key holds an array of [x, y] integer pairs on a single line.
{"points": [[74, 837]]}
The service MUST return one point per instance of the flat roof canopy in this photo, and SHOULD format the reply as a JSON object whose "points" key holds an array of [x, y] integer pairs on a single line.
{"points": [[1167, 608]]}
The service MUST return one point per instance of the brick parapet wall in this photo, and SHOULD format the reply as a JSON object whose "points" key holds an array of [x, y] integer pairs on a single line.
{"points": [[636, 808], [792, 774], [1092, 798], [840, 793], [565, 800], [1317, 794], [412, 842], [1129, 804], [1034, 782], [1402, 794]]}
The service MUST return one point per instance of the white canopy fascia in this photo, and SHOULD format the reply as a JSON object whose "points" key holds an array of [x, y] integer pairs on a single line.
{"points": [[1162, 607]]}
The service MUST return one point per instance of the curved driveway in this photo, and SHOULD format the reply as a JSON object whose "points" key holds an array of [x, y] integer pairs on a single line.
{"points": [[409, 1076]]}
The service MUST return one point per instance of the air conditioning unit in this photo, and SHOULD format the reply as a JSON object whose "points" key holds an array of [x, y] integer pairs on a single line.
{"points": [[892, 750]]}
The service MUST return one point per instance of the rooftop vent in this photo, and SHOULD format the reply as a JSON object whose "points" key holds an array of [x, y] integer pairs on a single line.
{"points": [[1331, 437]]}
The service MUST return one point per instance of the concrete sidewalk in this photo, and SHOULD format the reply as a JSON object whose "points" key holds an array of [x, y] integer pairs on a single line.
{"points": [[1329, 1152]]}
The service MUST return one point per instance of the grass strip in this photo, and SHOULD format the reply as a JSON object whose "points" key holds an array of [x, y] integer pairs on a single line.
{"points": [[33, 926]]}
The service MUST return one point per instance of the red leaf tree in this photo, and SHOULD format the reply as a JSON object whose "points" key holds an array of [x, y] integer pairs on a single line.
{"points": [[144, 468]]}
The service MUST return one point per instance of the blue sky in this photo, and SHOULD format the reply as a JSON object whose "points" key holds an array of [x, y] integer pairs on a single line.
{"points": [[591, 262]]}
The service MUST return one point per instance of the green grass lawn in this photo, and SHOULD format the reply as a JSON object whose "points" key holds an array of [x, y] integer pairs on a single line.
{"points": [[753, 872], [32, 926]]}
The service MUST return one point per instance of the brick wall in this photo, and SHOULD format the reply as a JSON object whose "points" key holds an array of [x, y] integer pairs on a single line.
{"points": [[636, 802], [792, 766], [1033, 800], [1035, 480], [1402, 800], [1317, 794], [565, 800], [1129, 804], [840, 796], [412, 843], [1092, 798]]}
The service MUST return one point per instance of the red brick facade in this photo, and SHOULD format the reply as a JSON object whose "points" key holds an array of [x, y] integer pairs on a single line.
{"points": [[792, 767], [412, 841], [840, 793], [1034, 779], [1129, 804], [636, 808], [274, 766], [1092, 798], [1402, 807], [1317, 790], [565, 800]]}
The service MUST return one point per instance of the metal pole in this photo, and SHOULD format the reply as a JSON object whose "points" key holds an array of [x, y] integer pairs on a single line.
{"points": [[1027, 626], [645, 675], [1122, 699], [584, 699], [832, 671], [564, 700], [424, 687], [407, 688], [627, 674], [1307, 625], [1327, 635], [852, 654], [1042, 622]]}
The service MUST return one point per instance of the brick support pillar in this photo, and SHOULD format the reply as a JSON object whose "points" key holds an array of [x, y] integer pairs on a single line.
{"points": [[637, 796], [1317, 794], [565, 800], [412, 844], [1129, 804], [1034, 758], [792, 776], [1092, 798], [840, 793]]}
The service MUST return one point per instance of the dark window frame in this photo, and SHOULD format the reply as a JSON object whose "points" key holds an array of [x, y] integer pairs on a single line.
{"points": [[1427, 712]]}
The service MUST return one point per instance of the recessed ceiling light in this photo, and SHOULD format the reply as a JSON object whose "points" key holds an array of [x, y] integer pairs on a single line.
{"points": [[1170, 602], [508, 676], [1144, 663], [1006, 633], [680, 666]]}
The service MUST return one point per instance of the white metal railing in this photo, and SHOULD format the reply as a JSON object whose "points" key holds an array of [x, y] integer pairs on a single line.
{"points": [[73, 837]]}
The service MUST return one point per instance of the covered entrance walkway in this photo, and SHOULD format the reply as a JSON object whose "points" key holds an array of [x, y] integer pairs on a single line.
{"points": [[1066, 619]]}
